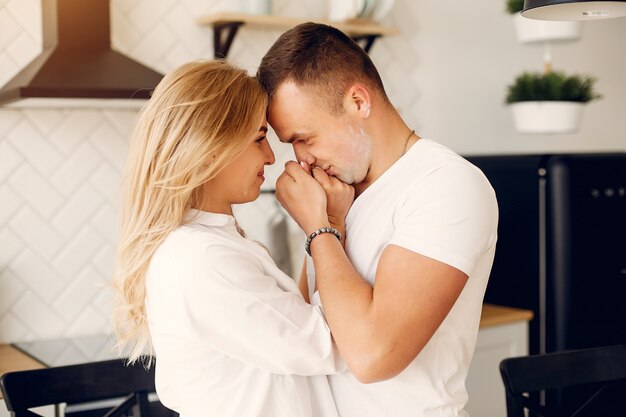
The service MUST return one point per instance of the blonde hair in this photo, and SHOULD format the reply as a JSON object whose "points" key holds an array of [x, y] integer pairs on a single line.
{"points": [[196, 122]]}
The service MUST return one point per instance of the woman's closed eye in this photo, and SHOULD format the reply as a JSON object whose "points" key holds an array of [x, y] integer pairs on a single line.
{"points": [[261, 139]]}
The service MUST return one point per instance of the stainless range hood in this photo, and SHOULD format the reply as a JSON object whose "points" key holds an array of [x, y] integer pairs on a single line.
{"points": [[77, 67]]}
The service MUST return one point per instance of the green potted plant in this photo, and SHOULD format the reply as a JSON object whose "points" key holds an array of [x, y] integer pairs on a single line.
{"points": [[531, 30], [549, 102]]}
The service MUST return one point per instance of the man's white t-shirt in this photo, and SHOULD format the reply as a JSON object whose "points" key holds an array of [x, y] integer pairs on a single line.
{"points": [[435, 203], [232, 334]]}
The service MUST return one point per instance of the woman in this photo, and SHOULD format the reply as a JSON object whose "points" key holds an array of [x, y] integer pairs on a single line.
{"points": [[231, 333]]}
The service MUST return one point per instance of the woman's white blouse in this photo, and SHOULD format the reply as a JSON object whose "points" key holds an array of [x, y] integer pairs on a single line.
{"points": [[231, 333]]}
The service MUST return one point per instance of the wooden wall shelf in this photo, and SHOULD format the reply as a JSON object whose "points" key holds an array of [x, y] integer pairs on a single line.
{"points": [[226, 25]]}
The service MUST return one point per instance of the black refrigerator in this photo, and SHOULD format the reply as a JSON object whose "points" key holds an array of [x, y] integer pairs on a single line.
{"points": [[561, 248]]}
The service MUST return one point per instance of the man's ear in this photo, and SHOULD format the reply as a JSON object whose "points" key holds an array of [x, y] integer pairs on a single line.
{"points": [[358, 101]]}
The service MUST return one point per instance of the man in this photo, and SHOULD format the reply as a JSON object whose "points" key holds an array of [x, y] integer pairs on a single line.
{"points": [[403, 301]]}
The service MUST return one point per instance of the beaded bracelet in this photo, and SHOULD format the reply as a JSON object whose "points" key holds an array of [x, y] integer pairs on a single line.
{"points": [[307, 244]]}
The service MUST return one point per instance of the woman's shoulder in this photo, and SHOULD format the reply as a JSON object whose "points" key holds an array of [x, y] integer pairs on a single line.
{"points": [[193, 239], [192, 253], [188, 251]]}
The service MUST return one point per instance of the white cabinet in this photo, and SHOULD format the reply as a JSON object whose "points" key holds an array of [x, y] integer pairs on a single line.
{"points": [[484, 384]]}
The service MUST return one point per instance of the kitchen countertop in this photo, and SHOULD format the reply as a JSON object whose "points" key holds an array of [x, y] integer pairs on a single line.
{"points": [[93, 348], [494, 315], [12, 359]]}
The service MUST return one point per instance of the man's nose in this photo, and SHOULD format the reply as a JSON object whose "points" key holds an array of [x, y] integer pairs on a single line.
{"points": [[302, 155]]}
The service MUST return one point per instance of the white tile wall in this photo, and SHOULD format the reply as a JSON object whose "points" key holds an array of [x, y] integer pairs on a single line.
{"points": [[58, 220]]}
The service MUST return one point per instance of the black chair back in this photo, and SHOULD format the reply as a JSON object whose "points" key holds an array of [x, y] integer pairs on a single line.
{"points": [[84, 383], [598, 367]]}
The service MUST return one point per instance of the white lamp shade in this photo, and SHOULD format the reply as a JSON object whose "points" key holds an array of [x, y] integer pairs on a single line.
{"points": [[573, 10], [533, 30]]}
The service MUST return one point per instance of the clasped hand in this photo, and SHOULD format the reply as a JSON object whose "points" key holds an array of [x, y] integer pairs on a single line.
{"points": [[312, 198]]}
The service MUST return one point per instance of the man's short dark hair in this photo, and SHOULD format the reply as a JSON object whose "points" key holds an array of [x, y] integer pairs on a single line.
{"points": [[321, 57]]}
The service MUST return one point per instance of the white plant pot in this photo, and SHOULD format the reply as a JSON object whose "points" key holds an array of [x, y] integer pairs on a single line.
{"points": [[547, 116], [532, 30]]}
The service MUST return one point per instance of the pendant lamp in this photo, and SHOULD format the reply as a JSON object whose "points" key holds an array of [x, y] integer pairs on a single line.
{"points": [[573, 10]]}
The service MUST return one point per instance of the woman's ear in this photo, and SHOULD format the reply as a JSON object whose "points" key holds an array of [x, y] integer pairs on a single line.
{"points": [[359, 100]]}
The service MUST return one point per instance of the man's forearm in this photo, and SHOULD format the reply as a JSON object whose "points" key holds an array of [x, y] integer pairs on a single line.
{"points": [[347, 300]]}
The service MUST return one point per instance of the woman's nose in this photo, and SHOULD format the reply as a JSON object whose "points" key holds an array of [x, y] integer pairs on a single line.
{"points": [[269, 154]]}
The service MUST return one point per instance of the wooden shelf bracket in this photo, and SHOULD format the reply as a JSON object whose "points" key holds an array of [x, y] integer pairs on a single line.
{"points": [[369, 41], [220, 30]]}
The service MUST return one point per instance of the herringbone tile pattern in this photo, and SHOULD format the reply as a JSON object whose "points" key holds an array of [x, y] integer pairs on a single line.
{"points": [[58, 189]]}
